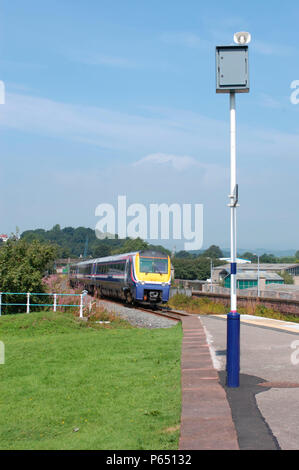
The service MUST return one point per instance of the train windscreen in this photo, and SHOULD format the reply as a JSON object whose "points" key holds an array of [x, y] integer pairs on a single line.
{"points": [[153, 265]]}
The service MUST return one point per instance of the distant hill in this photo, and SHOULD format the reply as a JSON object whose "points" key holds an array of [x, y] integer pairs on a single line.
{"points": [[261, 251], [197, 264], [82, 242]]}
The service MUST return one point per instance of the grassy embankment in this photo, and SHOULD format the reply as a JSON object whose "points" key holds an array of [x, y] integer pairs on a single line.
{"points": [[206, 306], [68, 384]]}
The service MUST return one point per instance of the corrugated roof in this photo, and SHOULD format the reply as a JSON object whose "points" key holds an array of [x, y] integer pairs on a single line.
{"points": [[253, 276], [263, 267]]}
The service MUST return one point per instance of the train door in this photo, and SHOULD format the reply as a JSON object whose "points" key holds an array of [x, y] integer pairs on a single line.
{"points": [[127, 272]]}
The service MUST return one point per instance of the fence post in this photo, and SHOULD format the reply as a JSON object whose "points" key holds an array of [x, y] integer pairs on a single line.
{"points": [[28, 303], [55, 302], [0, 303], [81, 305]]}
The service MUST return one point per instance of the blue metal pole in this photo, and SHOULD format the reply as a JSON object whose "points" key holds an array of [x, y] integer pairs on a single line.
{"points": [[233, 350]]}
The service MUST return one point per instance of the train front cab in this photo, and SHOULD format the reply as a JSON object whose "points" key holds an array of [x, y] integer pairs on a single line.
{"points": [[153, 277]]}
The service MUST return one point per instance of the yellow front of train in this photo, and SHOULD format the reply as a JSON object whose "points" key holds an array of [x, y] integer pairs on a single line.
{"points": [[153, 276]]}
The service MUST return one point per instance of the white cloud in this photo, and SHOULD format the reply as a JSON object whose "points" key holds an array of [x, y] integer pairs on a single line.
{"points": [[268, 101], [271, 49], [161, 131], [184, 38], [207, 174], [102, 60], [179, 156], [165, 130], [177, 162]]}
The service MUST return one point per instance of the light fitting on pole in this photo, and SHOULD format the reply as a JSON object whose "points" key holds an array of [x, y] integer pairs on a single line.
{"points": [[242, 38]]}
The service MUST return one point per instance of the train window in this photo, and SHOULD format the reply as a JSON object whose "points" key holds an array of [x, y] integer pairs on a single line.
{"points": [[122, 267], [153, 265], [111, 268], [101, 269]]}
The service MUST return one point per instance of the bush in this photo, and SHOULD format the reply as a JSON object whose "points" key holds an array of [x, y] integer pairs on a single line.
{"points": [[197, 305], [22, 266], [202, 305], [55, 284]]}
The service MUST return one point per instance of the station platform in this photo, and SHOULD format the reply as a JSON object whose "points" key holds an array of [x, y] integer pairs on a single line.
{"points": [[263, 413], [206, 421]]}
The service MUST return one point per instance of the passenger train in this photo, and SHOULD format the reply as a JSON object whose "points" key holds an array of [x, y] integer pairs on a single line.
{"points": [[142, 276]]}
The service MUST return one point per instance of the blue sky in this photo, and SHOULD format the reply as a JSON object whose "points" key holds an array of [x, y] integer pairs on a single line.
{"points": [[105, 98]]}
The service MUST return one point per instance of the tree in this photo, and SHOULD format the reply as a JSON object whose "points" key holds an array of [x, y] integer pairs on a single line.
{"points": [[22, 267], [71, 242], [268, 258], [288, 279], [159, 248], [250, 256], [100, 251], [131, 245], [183, 254], [213, 252], [191, 269]]}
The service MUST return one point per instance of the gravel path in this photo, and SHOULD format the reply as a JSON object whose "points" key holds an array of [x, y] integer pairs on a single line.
{"points": [[137, 317]]}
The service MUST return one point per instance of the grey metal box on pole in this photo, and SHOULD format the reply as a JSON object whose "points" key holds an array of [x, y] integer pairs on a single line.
{"points": [[232, 71]]}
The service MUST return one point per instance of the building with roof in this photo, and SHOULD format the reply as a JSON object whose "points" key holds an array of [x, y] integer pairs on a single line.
{"points": [[4, 237], [220, 273], [249, 279]]}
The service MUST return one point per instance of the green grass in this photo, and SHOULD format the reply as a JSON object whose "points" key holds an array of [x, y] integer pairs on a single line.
{"points": [[120, 386], [206, 306]]}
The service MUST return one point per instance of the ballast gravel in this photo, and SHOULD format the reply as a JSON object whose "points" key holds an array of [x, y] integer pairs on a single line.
{"points": [[137, 317]]}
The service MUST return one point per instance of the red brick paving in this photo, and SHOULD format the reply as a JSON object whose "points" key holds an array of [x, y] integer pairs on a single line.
{"points": [[206, 421]]}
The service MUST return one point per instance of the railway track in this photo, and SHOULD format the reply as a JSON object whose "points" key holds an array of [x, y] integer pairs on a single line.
{"points": [[159, 311], [167, 313]]}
